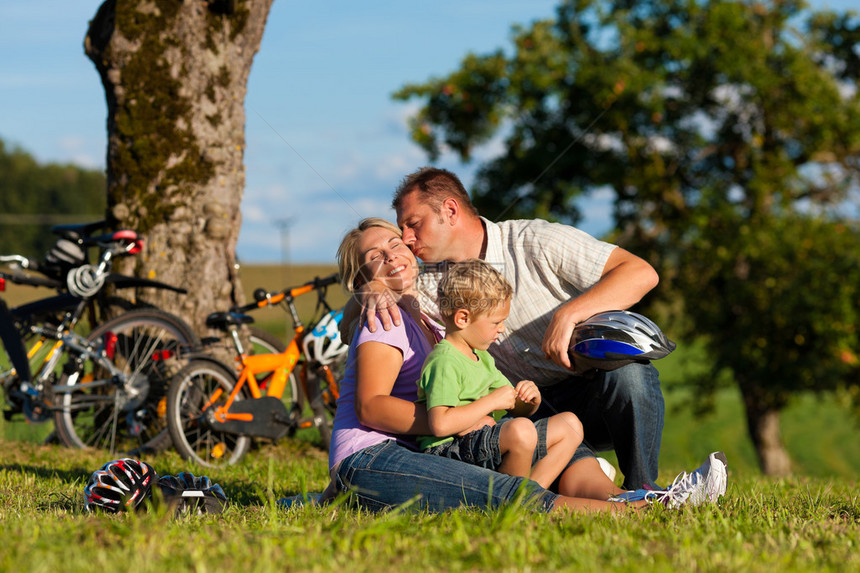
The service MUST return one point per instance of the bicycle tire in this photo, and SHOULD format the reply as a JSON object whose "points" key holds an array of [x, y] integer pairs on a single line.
{"points": [[262, 341], [322, 419], [323, 404], [190, 391], [149, 344]]}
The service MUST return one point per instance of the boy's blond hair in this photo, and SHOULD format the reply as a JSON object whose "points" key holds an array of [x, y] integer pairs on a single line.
{"points": [[473, 285]]}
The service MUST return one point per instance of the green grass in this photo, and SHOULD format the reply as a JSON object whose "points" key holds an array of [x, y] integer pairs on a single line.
{"points": [[820, 433], [802, 524]]}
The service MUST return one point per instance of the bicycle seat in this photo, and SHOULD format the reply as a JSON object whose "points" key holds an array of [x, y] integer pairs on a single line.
{"points": [[222, 320], [77, 231]]}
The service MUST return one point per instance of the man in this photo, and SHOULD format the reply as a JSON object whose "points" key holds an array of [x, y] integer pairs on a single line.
{"points": [[561, 276]]}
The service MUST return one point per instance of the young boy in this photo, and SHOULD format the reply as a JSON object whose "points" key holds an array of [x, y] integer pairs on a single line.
{"points": [[466, 395]]}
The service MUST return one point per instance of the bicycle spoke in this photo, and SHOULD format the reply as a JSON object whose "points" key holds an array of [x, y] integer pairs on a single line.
{"points": [[123, 414]]}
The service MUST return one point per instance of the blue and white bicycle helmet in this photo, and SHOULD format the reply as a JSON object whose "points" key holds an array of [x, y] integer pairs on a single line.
{"points": [[610, 340], [323, 343], [192, 494]]}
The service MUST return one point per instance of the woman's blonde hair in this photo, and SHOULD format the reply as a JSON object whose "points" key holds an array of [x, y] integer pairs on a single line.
{"points": [[349, 261]]}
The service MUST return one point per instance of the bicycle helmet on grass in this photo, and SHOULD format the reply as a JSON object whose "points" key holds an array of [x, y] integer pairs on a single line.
{"points": [[120, 485], [610, 340], [190, 494]]}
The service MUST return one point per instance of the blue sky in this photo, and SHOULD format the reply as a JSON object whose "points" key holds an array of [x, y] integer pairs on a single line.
{"points": [[326, 145]]}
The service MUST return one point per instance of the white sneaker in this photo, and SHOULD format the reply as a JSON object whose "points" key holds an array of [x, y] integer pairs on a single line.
{"points": [[705, 485], [607, 468]]}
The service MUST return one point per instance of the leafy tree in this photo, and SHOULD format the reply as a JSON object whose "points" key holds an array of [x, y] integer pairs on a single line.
{"points": [[730, 135], [175, 76], [35, 196]]}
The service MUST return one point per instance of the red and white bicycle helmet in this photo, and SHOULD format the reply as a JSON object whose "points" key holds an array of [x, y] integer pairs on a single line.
{"points": [[323, 343], [120, 485]]}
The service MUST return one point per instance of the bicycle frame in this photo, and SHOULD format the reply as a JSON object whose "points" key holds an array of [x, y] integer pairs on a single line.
{"points": [[62, 312], [280, 365]]}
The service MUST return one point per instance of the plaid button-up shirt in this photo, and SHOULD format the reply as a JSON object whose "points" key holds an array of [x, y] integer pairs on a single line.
{"points": [[548, 264]]}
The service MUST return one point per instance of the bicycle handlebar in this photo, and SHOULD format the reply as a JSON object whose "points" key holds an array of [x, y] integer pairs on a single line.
{"points": [[265, 298], [22, 261], [119, 243]]}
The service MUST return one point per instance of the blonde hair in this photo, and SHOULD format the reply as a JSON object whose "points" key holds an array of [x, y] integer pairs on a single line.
{"points": [[349, 261], [472, 285]]}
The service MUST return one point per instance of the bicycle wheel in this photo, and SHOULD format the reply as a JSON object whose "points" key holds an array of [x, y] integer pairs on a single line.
{"points": [[325, 383], [263, 342], [322, 419], [198, 387], [126, 411]]}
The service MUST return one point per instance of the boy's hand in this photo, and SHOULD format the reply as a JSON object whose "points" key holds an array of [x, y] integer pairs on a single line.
{"points": [[504, 398], [528, 393]]}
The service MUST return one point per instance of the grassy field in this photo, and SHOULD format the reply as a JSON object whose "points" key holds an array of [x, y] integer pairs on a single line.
{"points": [[802, 524], [809, 522]]}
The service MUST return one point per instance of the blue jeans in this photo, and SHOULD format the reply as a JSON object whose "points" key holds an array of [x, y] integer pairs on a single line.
{"points": [[622, 410], [388, 474]]}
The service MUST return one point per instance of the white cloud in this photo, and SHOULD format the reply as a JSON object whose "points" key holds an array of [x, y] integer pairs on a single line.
{"points": [[80, 151]]}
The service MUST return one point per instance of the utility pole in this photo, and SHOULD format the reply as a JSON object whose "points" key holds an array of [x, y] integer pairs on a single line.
{"points": [[283, 226]]}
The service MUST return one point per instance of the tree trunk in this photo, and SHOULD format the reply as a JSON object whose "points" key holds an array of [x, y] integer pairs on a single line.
{"points": [[175, 75], [763, 426]]}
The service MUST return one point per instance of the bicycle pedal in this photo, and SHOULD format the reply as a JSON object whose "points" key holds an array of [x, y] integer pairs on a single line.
{"points": [[36, 411]]}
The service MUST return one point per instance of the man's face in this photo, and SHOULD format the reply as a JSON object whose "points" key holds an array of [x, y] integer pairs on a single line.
{"points": [[425, 230]]}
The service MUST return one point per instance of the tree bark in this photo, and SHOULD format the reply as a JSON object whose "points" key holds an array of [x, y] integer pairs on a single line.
{"points": [[763, 426], [175, 76]]}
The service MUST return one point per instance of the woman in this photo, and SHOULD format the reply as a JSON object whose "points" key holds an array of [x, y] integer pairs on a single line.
{"points": [[372, 453]]}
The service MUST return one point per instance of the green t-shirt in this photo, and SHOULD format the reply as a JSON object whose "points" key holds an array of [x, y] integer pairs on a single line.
{"points": [[451, 379]]}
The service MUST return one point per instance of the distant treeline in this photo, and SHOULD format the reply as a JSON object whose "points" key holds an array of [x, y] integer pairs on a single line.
{"points": [[35, 196]]}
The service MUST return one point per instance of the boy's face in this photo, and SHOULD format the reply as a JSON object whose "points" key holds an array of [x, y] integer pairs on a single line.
{"points": [[485, 328]]}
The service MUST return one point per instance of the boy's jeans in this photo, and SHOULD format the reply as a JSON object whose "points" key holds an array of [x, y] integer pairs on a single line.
{"points": [[622, 410]]}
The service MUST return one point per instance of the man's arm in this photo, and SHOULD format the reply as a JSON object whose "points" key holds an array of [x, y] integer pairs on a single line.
{"points": [[626, 278]]}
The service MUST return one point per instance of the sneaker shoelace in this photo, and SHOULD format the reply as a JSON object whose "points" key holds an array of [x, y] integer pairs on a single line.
{"points": [[680, 489]]}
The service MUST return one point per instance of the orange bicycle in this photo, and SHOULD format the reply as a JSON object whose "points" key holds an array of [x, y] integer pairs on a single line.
{"points": [[213, 413]]}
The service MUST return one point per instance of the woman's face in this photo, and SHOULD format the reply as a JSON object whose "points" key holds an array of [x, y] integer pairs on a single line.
{"points": [[386, 259]]}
